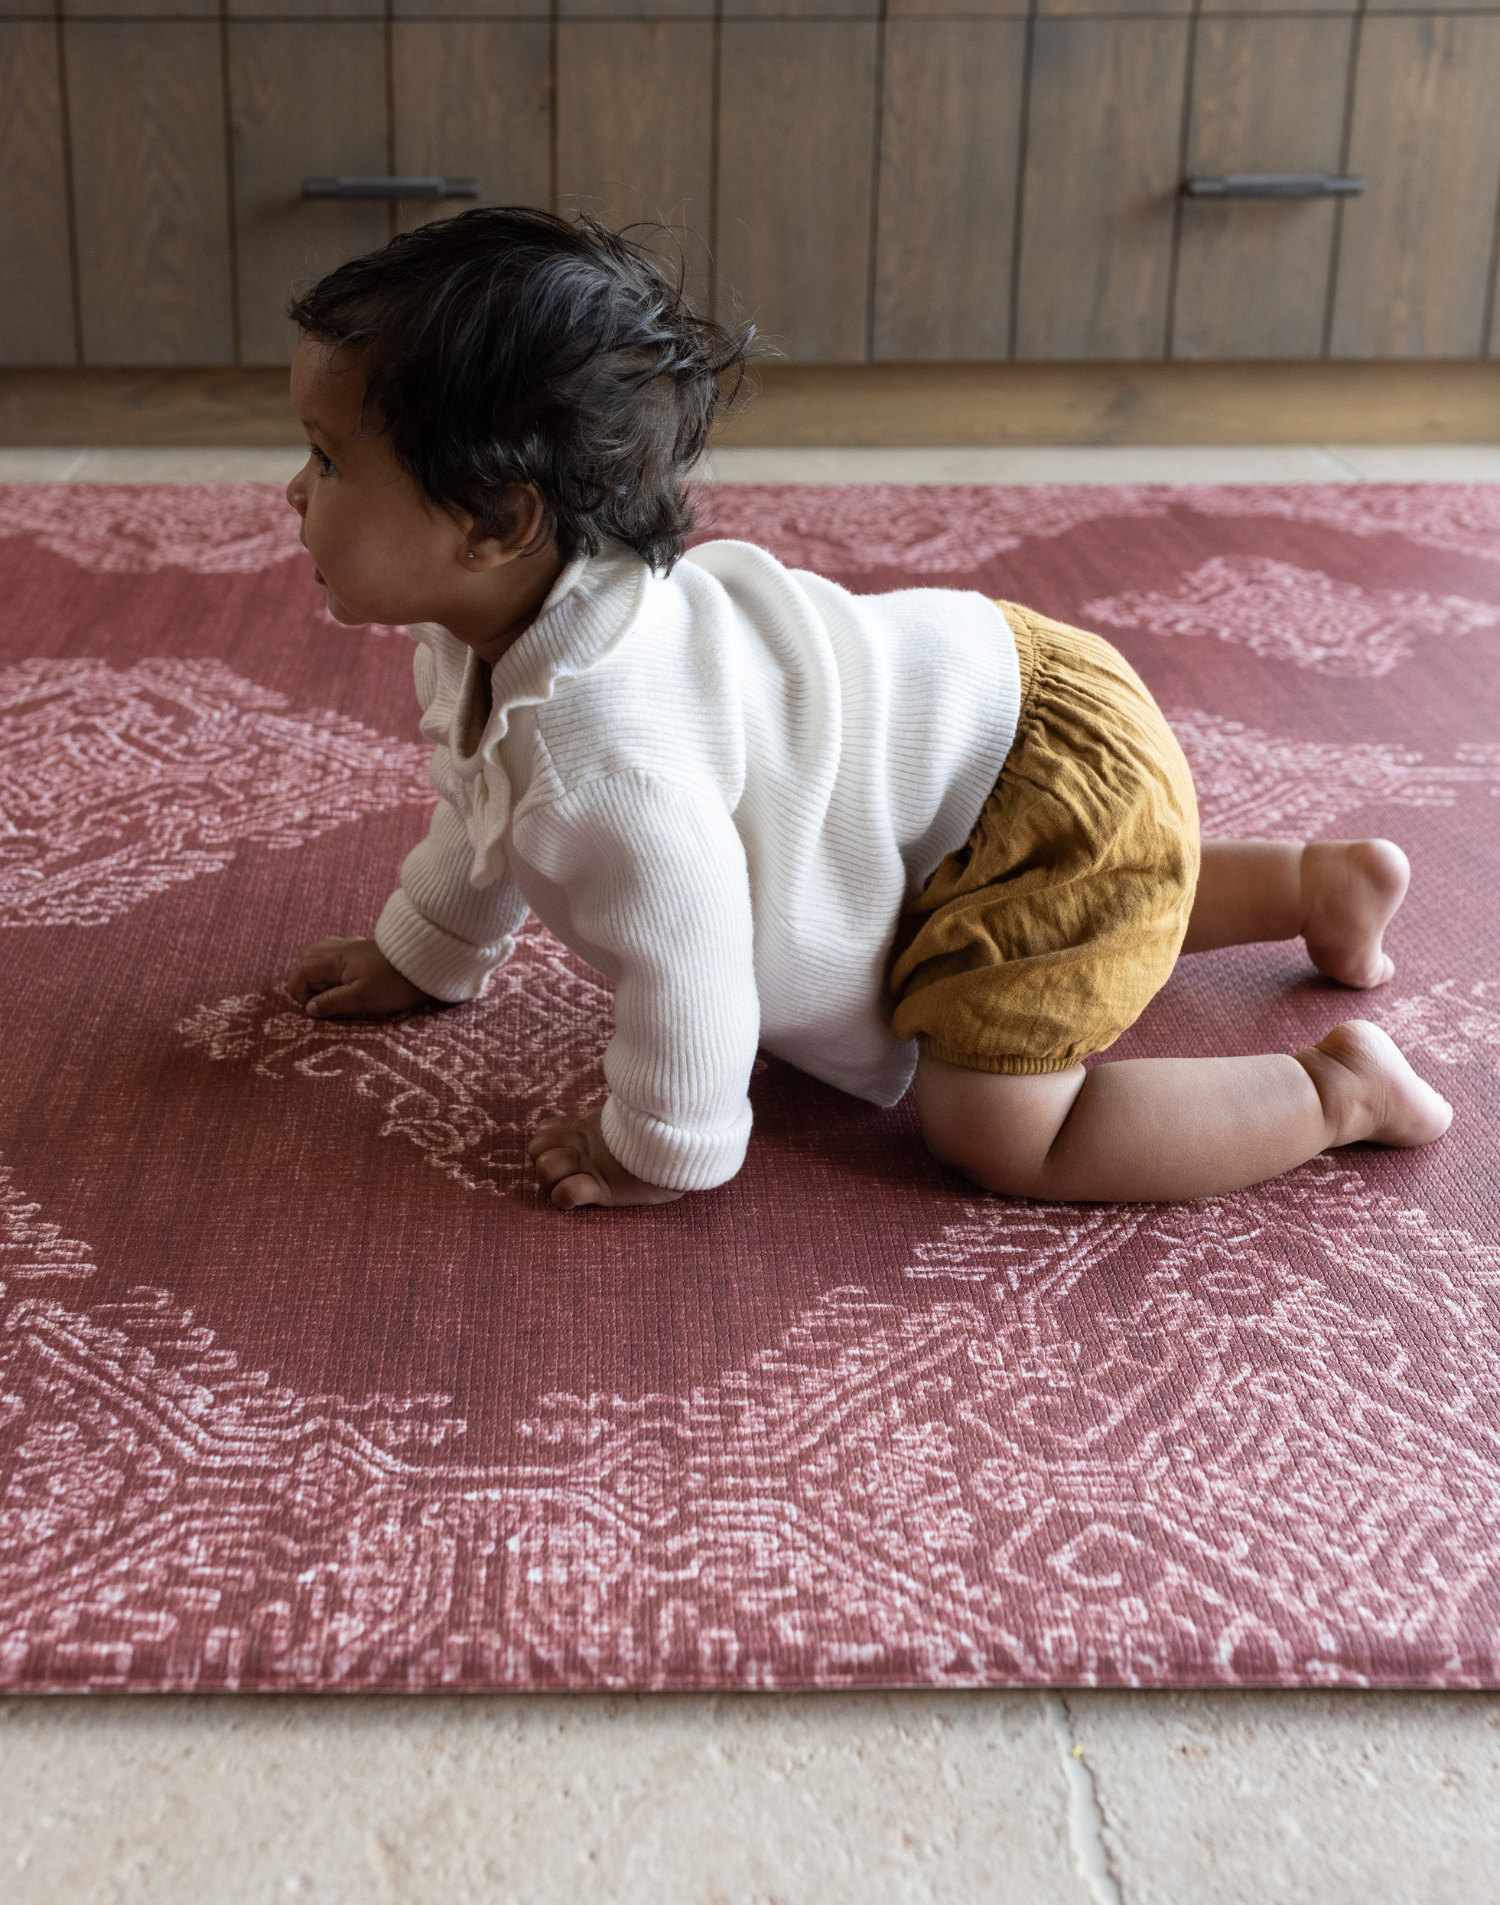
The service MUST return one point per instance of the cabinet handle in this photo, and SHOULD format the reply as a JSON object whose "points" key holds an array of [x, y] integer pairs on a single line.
{"points": [[390, 188], [1274, 185]]}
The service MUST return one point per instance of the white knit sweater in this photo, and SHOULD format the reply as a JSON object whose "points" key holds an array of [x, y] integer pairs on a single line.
{"points": [[718, 787]]}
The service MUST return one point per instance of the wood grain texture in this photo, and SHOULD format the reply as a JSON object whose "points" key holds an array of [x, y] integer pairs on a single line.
{"points": [[1415, 251], [473, 99], [797, 128], [1003, 404], [1106, 9], [1252, 275], [470, 9], [306, 101], [635, 9], [1275, 6], [1429, 6], [137, 9], [801, 9], [956, 9], [36, 274], [147, 114], [635, 130], [949, 155], [1450, 402], [1101, 187], [305, 9]]}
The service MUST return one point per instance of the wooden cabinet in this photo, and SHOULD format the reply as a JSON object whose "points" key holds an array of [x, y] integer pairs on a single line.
{"points": [[896, 180], [1253, 274], [289, 122], [1102, 170], [1416, 268], [950, 156], [38, 322], [796, 185], [151, 192], [635, 130]]}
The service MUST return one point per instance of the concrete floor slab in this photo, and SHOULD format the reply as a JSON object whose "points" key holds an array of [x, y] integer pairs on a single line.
{"points": [[839, 1799], [1302, 1798]]}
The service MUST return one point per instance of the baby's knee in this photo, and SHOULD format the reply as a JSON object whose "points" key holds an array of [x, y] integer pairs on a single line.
{"points": [[994, 1128]]}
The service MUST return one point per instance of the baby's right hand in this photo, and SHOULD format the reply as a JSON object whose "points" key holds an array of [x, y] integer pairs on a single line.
{"points": [[350, 978]]}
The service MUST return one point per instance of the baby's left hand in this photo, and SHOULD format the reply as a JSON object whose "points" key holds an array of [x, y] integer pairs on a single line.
{"points": [[577, 1167]]}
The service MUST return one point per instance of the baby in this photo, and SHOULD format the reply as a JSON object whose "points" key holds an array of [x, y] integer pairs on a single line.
{"points": [[912, 837]]}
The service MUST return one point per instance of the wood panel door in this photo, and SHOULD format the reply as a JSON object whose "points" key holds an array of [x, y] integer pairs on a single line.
{"points": [[635, 131], [150, 191], [1416, 253], [796, 160], [1103, 141], [949, 161], [1268, 95], [36, 269], [307, 100], [473, 99]]}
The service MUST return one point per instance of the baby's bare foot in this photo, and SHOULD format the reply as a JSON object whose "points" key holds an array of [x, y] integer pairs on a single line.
{"points": [[1369, 1092], [1350, 889]]}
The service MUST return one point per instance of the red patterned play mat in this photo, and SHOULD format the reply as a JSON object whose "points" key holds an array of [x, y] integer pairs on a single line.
{"points": [[304, 1385]]}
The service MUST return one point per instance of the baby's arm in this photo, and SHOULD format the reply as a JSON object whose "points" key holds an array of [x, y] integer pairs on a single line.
{"points": [[658, 893], [438, 939], [350, 978]]}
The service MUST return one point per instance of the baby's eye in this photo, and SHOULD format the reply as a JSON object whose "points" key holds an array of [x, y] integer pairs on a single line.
{"points": [[326, 466]]}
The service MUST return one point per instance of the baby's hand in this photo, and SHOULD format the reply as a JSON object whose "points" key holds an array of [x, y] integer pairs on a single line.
{"points": [[350, 978], [577, 1167]]}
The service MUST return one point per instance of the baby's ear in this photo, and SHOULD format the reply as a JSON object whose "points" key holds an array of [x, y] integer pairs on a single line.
{"points": [[521, 525], [516, 523]]}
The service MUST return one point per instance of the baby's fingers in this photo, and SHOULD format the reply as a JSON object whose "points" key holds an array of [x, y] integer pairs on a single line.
{"points": [[576, 1191], [558, 1167], [317, 968], [340, 1002]]}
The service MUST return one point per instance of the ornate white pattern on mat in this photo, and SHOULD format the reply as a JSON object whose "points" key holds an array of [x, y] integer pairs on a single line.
{"points": [[1451, 1022], [1251, 784], [1144, 1446], [465, 1086], [1461, 518], [1296, 615], [118, 783], [929, 529], [31, 1247], [139, 528]]}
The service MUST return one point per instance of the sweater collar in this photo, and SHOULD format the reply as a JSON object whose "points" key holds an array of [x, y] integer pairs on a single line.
{"points": [[588, 611]]}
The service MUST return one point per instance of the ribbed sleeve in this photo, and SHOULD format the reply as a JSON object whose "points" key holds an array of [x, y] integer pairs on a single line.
{"points": [[446, 936], [659, 899]]}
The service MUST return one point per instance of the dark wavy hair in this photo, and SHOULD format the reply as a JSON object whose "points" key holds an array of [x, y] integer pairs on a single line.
{"points": [[509, 347]]}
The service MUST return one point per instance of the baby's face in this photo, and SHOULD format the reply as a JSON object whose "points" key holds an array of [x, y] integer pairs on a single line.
{"points": [[383, 553]]}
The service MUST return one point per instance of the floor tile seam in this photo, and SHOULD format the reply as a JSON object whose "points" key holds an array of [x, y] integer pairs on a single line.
{"points": [[1085, 1815], [1338, 454]]}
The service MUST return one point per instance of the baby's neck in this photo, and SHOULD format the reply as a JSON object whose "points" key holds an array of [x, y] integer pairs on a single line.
{"points": [[506, 601]]}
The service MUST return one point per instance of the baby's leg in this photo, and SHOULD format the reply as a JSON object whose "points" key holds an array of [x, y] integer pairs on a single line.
{"points": [[1153, 1130], [1338, 895]]}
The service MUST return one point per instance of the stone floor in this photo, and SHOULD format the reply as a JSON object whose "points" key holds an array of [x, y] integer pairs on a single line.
{"points": [[1043, 1799]]}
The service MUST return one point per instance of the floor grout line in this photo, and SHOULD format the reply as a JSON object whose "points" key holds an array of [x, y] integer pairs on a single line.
{"points": [[1085, 1820], [1343, 462]]}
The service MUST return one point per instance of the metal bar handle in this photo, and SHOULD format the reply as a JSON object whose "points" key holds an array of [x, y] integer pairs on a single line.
{"points": [[404, 188], [1274, 185]]}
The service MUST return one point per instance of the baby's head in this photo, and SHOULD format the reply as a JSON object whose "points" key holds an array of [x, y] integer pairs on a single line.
{"points": [[504, 383]]}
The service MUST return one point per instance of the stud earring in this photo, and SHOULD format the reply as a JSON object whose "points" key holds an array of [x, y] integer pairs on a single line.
{"points": [[471, 555]]}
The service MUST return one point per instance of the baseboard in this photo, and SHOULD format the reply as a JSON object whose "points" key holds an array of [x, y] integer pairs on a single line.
{"points": [[1021, 404], [1455, 401]]}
